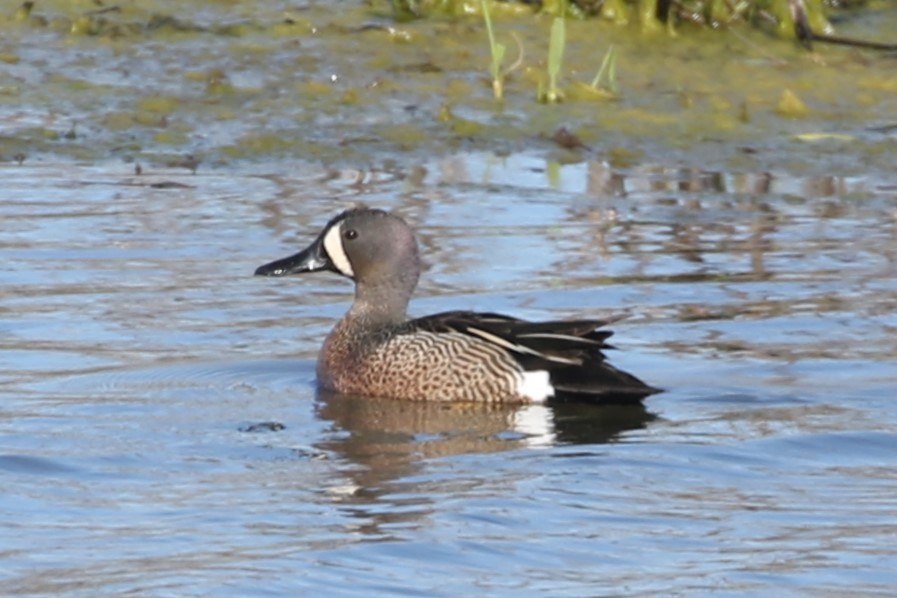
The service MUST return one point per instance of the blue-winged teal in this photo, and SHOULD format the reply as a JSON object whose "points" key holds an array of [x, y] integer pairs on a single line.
{"points": [[453, 356]]}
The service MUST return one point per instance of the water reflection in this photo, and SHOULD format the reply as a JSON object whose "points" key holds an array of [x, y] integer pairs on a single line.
{"points": [[389, 439], [390, 445], [764, 304], [597, 177]]}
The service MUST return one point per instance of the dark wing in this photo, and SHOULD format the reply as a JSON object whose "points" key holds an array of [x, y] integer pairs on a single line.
{"points": [[570, 350]]}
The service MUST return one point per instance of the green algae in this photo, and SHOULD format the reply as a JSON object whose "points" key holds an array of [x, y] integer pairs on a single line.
{"points": [[246, 84], [791, 106], [158, 104]]}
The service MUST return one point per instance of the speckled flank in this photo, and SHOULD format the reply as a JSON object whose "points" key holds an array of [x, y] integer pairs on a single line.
{"points": [[419, 366]]}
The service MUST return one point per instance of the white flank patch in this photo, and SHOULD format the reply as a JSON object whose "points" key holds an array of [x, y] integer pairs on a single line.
{"points": [[537, 423], [535, 386], [333, 245]]}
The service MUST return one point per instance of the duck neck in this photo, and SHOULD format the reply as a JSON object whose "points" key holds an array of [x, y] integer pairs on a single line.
{"points": [[379, 306]]}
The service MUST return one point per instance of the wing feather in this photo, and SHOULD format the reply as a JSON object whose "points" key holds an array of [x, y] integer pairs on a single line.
{"points": [[571, 351]]}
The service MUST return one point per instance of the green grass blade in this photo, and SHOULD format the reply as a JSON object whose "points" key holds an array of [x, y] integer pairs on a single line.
{"points": [[556, 49], [496, 51], [608, 67]]}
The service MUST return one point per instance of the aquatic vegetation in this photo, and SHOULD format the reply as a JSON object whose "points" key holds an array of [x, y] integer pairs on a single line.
{"points": [[604, 86], [496, 51], [791, 106], [405, 10], [556, 43], [805, 20], [24, 11], [652, 16], [239, 83], [607, 73]]}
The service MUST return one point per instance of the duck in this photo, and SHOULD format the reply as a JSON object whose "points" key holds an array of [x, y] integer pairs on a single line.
{"points": [[376, 350]]}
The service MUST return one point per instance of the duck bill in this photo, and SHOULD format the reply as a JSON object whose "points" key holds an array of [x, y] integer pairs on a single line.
{"points": [[311, 259]]}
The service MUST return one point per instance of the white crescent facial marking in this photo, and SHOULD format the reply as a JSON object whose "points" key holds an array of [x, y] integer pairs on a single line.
{"points": [[333, 245], [535, 386]]}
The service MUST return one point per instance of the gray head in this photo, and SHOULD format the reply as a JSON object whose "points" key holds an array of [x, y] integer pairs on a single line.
{"points": [[372, 247]]}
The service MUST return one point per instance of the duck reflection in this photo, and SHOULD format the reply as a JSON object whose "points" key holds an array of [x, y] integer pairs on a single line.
{"points": [[382, 429], [388, 442]]}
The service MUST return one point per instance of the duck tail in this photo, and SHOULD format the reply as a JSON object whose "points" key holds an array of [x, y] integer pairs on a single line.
{"points": [[600, 383]]}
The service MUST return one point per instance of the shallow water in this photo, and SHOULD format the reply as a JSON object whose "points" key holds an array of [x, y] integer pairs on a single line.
{"points": [[160, 433]]}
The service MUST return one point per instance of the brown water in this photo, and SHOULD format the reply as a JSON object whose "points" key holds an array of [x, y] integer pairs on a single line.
{"points": [[160, 433]]}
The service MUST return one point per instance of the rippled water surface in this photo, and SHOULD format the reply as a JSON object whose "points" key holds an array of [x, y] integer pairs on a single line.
{"points": [[160, 433]]}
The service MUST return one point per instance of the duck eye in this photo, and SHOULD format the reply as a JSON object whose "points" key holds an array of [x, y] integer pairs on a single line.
{"points": [[350, 234]]}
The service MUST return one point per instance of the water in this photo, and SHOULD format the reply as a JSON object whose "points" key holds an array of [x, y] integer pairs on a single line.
{"points": [[160, 433]]}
